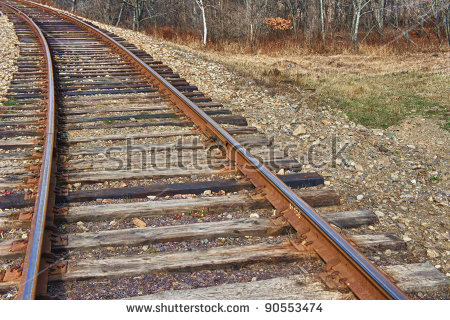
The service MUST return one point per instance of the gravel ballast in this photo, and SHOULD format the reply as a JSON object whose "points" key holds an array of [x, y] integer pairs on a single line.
{"points": [[401, 173], [8, 53]]}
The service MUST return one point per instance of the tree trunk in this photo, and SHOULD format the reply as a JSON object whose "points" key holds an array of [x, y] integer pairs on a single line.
{"points": [[322, 24], [358, 6], [74, 5], [120, 14], [406, 17], [293, 12], [138, 11], [379, 14], [312, 27], [446, 18], [355, 28], [205, 28], [136, 15], [435, 8], [249, 12], [108, 11]]}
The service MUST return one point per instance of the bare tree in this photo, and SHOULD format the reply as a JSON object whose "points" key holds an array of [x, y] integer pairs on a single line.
{"points": [[446, 21], [378, 9], [205, 28], [255, 13], [358, 6], [138, 11], [436, 11], [322, 23], [294, 13], [119, 17], [249, 11]]}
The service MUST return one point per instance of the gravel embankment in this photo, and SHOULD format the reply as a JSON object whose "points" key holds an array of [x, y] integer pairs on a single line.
{"points": [[8, 53]]}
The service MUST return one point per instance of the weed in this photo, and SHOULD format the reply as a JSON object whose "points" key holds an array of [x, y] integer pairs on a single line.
{"points": [[8, 104], [109, 121], [436, 178], [446, 126], [197, 213]]}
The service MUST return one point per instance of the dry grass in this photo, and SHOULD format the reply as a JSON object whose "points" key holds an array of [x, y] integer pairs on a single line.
{"points": [[282, 43], [377, 90]]}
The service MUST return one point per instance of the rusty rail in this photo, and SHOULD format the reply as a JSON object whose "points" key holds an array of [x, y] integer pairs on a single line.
{"points": [[31, 266], [345, 265]]}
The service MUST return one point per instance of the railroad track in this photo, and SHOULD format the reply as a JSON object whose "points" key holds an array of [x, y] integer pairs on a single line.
{"points": [[122, 180]]}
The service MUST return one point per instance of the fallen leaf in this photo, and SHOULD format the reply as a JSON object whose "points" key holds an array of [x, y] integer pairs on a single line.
{"points": [[139, 223], [123, 184]]}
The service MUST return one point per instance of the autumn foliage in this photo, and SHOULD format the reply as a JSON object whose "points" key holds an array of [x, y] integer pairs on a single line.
{"points": [[278, 23], [271, 26]]}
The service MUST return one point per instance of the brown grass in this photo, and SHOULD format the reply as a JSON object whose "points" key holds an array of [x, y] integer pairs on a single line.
{"points": [[285, 43], [378, 89]]}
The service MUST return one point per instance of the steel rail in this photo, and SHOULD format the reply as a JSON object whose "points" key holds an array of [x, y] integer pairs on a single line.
{"points": [[30, 271], [343, 261]]}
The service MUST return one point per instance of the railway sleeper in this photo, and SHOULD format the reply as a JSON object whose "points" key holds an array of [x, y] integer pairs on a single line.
{"points": [[226, 119], [316, 198], [65, 120], [229, 185], [133, 237], [163, 162], [163, 189], [413, 278]]}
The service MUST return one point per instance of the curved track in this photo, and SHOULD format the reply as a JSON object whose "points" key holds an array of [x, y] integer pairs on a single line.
{"points": [[114, 102]]}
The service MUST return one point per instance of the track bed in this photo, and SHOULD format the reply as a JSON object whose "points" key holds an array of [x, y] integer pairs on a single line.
{"points": [[145, 204]]}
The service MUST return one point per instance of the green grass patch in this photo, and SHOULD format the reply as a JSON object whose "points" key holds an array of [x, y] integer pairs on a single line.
{"points": [[109, 121], [446, 125], [379, 101], [376, 100], [10, 102], [436, 178]]}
